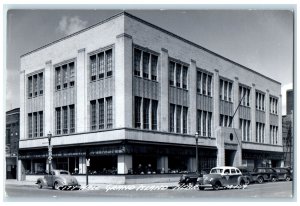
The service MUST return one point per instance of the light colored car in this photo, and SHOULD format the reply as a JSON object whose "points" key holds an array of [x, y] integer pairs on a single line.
{"points": [[58, 179], [222, 177]]}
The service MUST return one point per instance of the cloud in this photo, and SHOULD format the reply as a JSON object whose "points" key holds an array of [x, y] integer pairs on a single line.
{"points": [[68, 25]]}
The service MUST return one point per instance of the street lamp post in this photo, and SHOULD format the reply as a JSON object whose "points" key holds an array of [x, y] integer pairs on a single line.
{"points": [[49, 151], [196, 138]]}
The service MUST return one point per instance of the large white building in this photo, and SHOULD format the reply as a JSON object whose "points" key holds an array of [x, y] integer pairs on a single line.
{"points": [[131, 94]]}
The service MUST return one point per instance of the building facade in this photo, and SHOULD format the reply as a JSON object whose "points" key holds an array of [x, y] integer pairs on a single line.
{"points": [[130, 96], [12, 142]]}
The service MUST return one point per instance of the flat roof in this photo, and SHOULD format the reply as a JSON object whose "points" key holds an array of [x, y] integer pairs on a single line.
{"points": [[153, 26]]}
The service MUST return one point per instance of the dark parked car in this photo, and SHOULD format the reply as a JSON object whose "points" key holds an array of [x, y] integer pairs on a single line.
{"points": [[190, 179], [262, 174], [283, 173], [247, 174]]}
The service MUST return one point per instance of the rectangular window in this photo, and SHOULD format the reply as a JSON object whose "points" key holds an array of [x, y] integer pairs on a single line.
{"points": [[172, 73], [93, 115], [178, 119], [93, 66], [137, 62], [35, 85], [229, 91], [35, 124], [41, 83], [65, 119], [184, 77], [109, 62], [101, 67], [146, 104], [58, 78], [154, 114], [178, 75], [184, 119], [199, 122], [199, 82], [30, 87], [172, 116], [209, 122], [204, 83], [109, 112], [72, 118], [41, 124], [65, 75], [221, 89], [30, 125], [58, 121], [72, 74], [154, 60], [146, 58], [204, 123], [137, 111], [209, 78], [225, 90], [101, 113]]}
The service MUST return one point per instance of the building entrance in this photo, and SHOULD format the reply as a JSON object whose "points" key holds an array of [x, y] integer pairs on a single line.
{"points": [[229, 157]]}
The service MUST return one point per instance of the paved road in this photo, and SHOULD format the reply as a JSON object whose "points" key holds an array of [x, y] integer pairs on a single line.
{"points": [[281, 190]]}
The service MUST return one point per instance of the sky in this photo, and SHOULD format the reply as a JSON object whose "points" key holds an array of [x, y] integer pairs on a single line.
{"points": [[261, 40]]}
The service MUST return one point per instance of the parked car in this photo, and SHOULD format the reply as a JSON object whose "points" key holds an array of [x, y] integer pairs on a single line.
{"points": [[262, 174], [57, 179], [221, 177], [190, 179], [283, 173], [247, 174]]}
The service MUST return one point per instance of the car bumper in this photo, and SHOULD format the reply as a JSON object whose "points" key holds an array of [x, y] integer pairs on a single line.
{"points": [[205, 186]]}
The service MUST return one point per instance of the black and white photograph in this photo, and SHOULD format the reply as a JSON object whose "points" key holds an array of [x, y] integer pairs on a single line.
{"points": [[158, 103]]}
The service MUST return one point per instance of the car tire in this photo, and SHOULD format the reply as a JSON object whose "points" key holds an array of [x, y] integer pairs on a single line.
{"points": [[40, 185], [191, 184], [57, 186], [247, 181], [273, 179], [260, 180], [288, 178], [217, 186], [242, 183]]}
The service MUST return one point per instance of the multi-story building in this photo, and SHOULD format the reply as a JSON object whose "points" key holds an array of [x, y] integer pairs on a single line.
{"points": [[12, 142], [131, 95]]}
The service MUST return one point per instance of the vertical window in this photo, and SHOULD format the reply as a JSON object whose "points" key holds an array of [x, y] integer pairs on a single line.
{"points": [[184, 77], [221, 121], [65, 76], [172, 71], [204, 123], [137, 109], [221, 89], [199, 123], [41, 123], [109, 62], [109, 112], [198, 82], [30, 125], [204, 83], [172, 116], [178, 119], [225, 90], [93, 66], [154, 114], [209, 85], [30, 87], [154, 59], [41, 83], [35, 85], [101, 66], [209, 124], [101, 113], [65, 120], [93, 115], [146, 104], [184, 119], [230, 91], [58, 78], [72, 74], [178, 74], [146, 57], [35, 124], [137, 62], [263, 102], [58, 121], [72, 118]]}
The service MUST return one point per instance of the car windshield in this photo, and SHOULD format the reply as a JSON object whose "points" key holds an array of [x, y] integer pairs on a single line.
{"points": [[216, 171], [63, 173]]}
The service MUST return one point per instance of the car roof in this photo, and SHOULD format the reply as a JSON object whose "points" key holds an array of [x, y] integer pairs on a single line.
{"points": [[224, 167]]}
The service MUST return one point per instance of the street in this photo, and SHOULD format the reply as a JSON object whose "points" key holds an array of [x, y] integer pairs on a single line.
{"points": [[272, 190]]}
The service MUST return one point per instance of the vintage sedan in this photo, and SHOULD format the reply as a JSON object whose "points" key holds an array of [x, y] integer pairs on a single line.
{"points": [[58, 179], [222, 177]]}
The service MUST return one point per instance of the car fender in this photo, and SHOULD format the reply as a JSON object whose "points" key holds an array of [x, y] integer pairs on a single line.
{"points": [[59, 180], [240, 179], [42, 180]]}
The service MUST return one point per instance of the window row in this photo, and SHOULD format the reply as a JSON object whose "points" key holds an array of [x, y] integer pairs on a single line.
{"points": [[273, 134], [178, 75], [260, 101], [178, 118], [101, 65], [260, 132], [145, 113], [145, 64], [273, 105], [245, 96], [65, 76], [101, 113], [35, 85], [65, 119], [225, 90], [35, 124], [225, 120], [204, 83], [204, 123], [245, 128]]}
